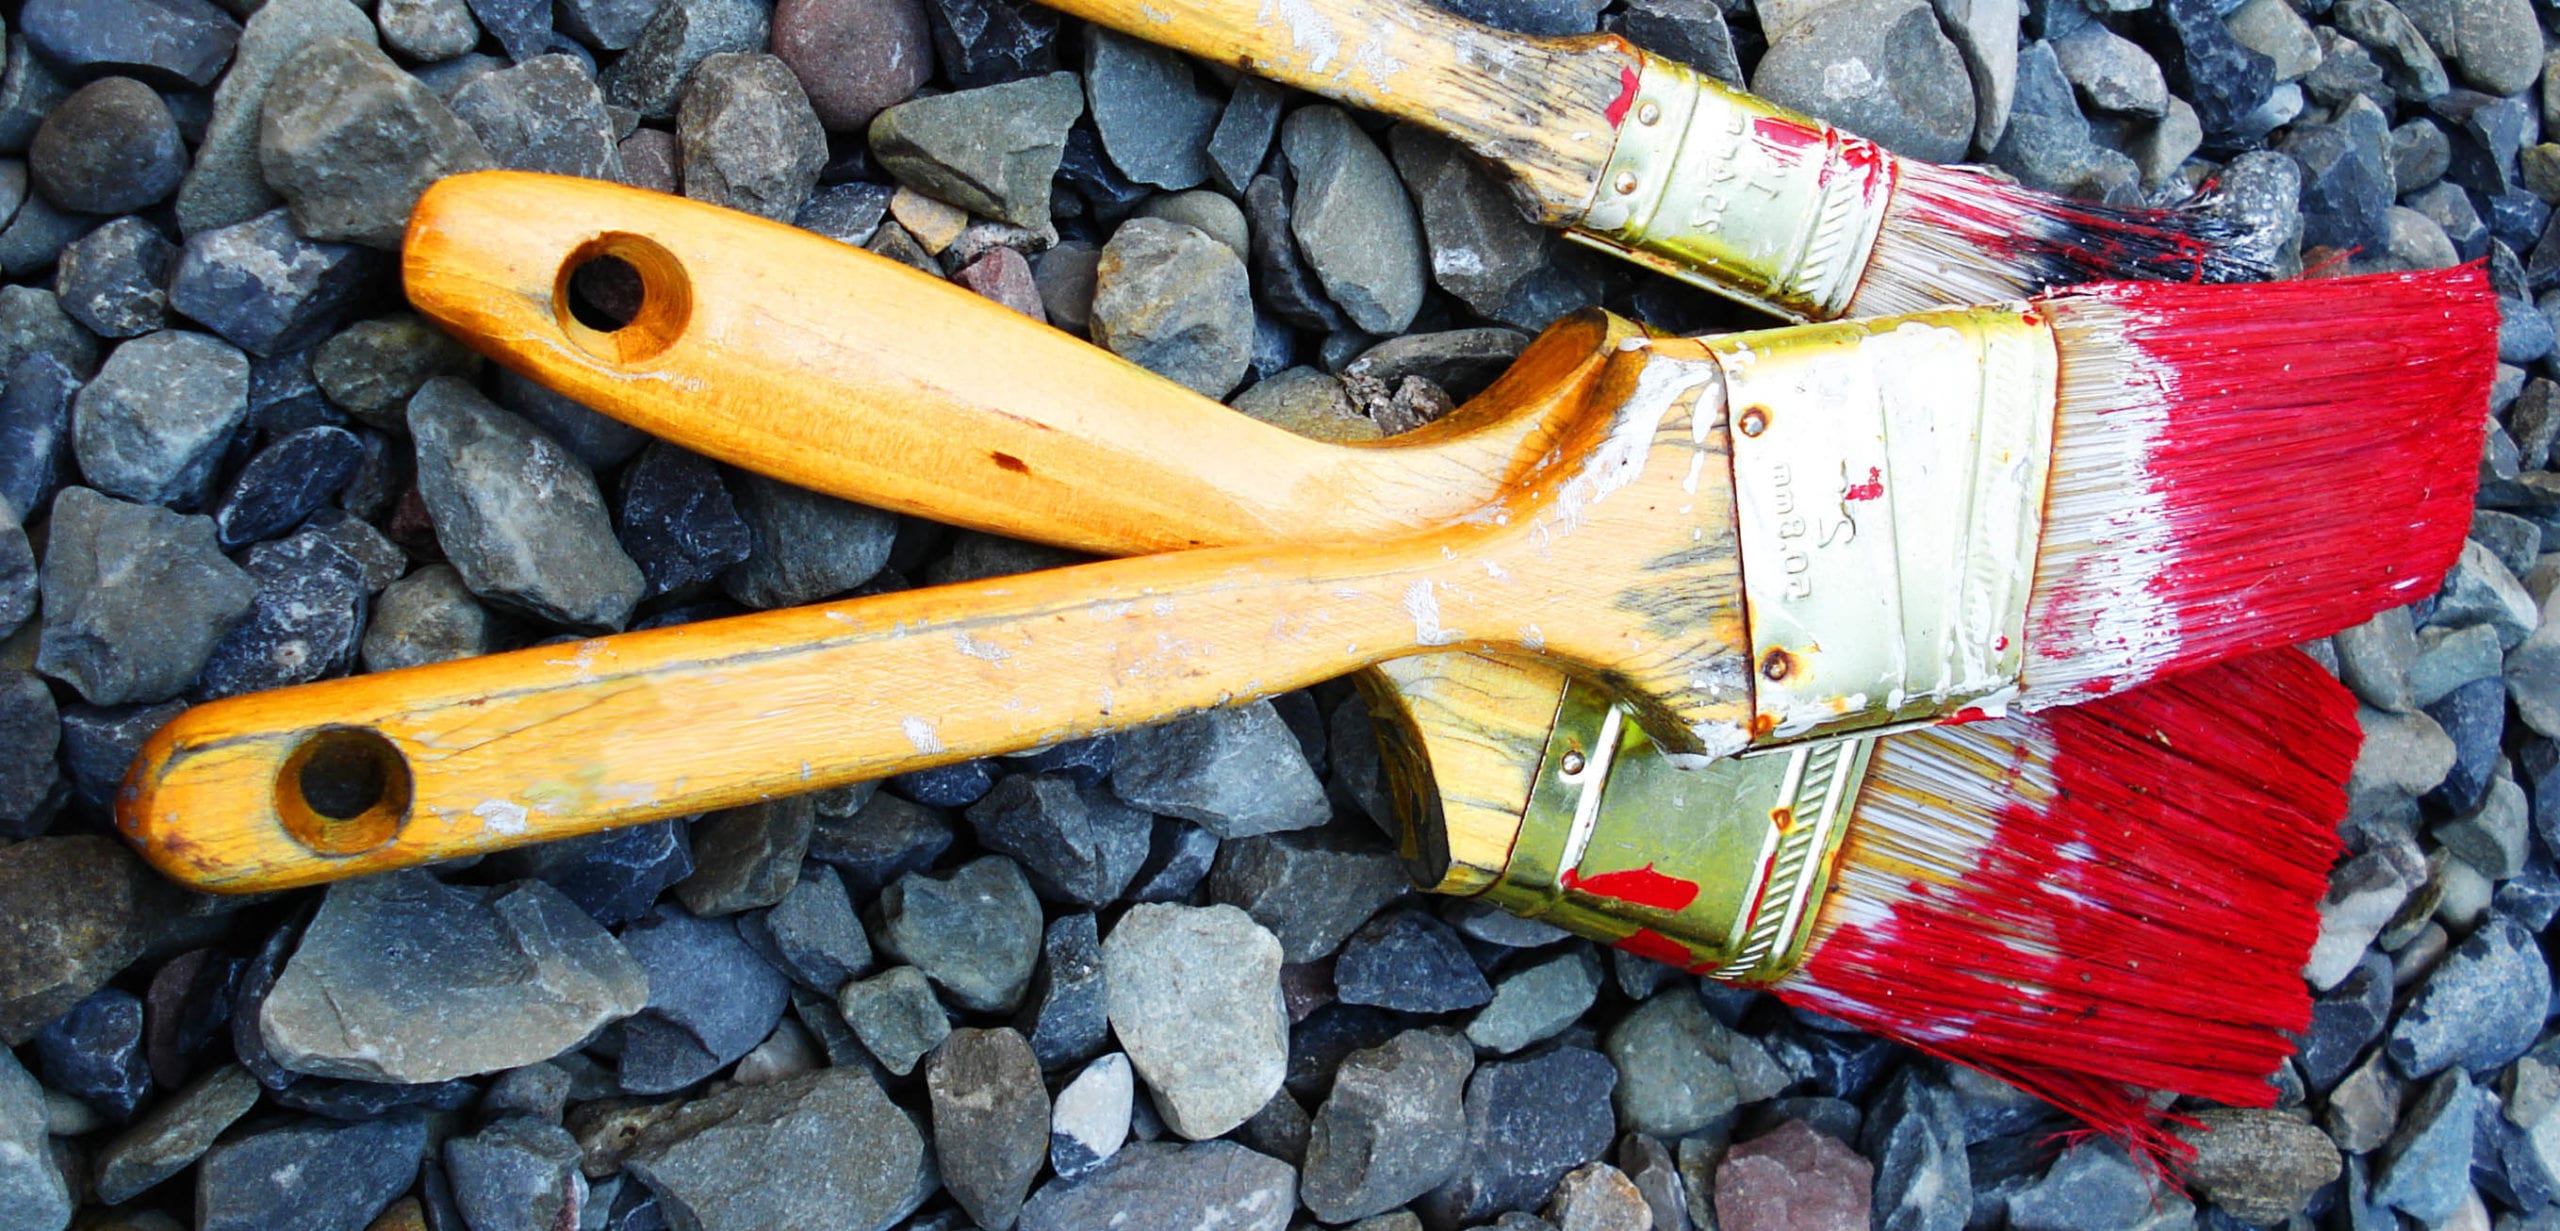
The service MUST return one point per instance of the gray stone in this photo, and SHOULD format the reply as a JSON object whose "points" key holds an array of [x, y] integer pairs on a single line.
{"points": [[711, 1000], [2261, 1167], [1879, 68], [1311, 888], [1407, 961], [601, 442], [2480, 590], [2047, 142], [110, 148], [31, 1185], [154, 423], [1195, 999], [400, 978], [1243, 135], [350, 141], [537, 1090], [32, 322], [2412, 66], [1154, 118], [427, 30], [2450, 658], [2364, 894], [2495, 837], [517, 1172], [1209, 212], [173, 1134], [264, 288], [2112, 73], [2480, 1009], [1915, 1132], [821, 1149], [606, 25], [303, 625], [1170, 1186], [30, 732], [1529, 1122], [873, 838], [1598, 1197], [788, 1052], [806, 546], [545, 114], [895, 1016], [990, 1122], [991, 151], [1393, 1128], [1065, 275], [1172, 299], [1481, 247], [1236, 772], [1091, 1117], [371, 369], [1067, 1013], [2492, 45], [1306, 402], [2272, 29], [428, 616], [1535, 1002], [1673, 1079], [519, 517], [135, 598], [1352, 219], [2403, 754], [2374, 657], [748, 857], [309, 1175], [1695, 35], [1079, 847], [2095, 1185], [114, 280], [2425, 1170], [225, 185], [975, 933], [750, 140], [2363, 1105], [1986, 33], [650, 77], [812, 934]]}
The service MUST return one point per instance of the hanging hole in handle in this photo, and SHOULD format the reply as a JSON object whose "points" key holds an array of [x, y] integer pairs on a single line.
{"points": [[344, 791], [622, 298]]}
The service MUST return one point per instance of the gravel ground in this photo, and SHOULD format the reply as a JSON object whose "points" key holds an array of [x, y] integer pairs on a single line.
{"points": [[229, 461]]}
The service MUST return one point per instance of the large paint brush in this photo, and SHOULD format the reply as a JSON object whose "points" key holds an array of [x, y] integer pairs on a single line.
{"points": [[1642, 156]]}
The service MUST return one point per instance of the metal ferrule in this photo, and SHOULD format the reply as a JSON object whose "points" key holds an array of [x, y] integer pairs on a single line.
{"points": [[1738, 195], [1889, 480], [1720, 870]]}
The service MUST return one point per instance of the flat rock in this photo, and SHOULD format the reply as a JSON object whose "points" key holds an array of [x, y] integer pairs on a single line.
{"points": [[1154, 117], [711, 999], [30, 732], [174, 1134], [262, 286], [309, 1175], [152, 425], [135, 598], [2095, 1185], [2480, 1009], [1090, 1120], [990, 1121], [372, 368], [1352, 219], [750, 140], [35, 433], [991, 151], [2374, 657], [2112, 72], [1879, 68], [877, 839], [1534, 1002], [1195, 1000], [287, 481], [2364, 894], [520, 518], [1529, 1122], [545, 114], [176, 43], [812, 934], [2490, 44], [1671, 1056], [975, 933], [821, 1149], [30, 1182], [2425, 1169], [1310, 888], [1172, 299], [1394, 1127], [349, 141], [1067, 1011], [400, 978], [1170, 1186], [1236, 772]]}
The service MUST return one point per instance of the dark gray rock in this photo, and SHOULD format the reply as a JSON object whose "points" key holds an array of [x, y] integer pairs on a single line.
{"points": [[1536, 1001], [1915, 1133], [35, 432], [1067, 1014], [991, 151], [1482, 249], [304, 623], [427, 30], [349, 141], [2474, 716], [895, 1016], [135, 598], [2425, 1170], [2345, 1019], [1394, 1127], [651, 76], [427, 617], [990, 1121], [1175, 301], [32, 321], [882, 839], [284, 483], [1085, 762], [94, 1053], [748, 857], [1680, 1069], [98, 743], [1529, 1121], [114, 280], [309, 1175], [1090, 1120], [1352, 220], [540, 1091], [262, 286], [1310, 888], [173, 1134], [750, 140], [821, 1149], [1169, 1186], [812, 934], [371, 369], [74, 910], [2259, 1166], [400, 978], [29, 89], [601, 442], [846, 213], [1236, 772], [975, 933], [225, 186], [984, 42], [30, 731], [614, 875], [1695, 35], [1243, 134], [711, 1000], [2095, 1185], [2227, 83], [2347, 176], [517, 1172], [1410, 962], [522, 27], [856, 57], [1879, 68], [1288, 289], [806, 546], [2047, 142], [519, 517], [1195, 1001], [606, 25], [956, 785], [2490, 44], [38, 234], [110, 148], [155, 422], [545, 114], [1154, 117], [1078, 847], [2480, 1009], [176, 43], [2112, 73]]}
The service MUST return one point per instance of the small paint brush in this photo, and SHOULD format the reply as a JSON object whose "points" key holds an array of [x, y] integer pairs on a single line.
{"points": [[1640, 155]]}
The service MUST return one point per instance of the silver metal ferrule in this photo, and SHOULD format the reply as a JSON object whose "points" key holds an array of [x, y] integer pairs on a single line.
{"points": [[1890, 482], [1738, 195]]}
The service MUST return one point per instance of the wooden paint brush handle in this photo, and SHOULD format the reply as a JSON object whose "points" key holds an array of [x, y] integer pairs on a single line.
{"points": [[823, 365]]}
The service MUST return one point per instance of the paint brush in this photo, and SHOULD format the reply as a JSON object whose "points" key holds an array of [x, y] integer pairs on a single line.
{"points": [[1640, 155]]}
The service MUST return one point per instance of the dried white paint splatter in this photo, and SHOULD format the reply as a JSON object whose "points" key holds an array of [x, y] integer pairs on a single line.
{"points": [[502, 816], [921, 734], [978, 648], [1424, 607]]}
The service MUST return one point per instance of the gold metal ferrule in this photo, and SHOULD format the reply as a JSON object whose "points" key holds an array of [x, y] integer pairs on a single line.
{"points": [[1719, 870], [1889, 478], [1738, 195]]}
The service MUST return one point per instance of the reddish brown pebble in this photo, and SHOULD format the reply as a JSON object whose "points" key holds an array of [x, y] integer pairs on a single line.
{"points": [[854, 57], [1599, 1197], [1003, 276], [1793, 1179]]}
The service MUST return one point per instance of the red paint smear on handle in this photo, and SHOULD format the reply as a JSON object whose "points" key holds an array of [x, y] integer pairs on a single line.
{"points": [[1787, 133], [1636, 887], [1872, 489], [1647, 943], [1626, 97]]}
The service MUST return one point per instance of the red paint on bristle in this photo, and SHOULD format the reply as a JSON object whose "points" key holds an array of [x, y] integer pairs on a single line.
{"points": [[2320, 450], [2171, 885], [2056, 241]]}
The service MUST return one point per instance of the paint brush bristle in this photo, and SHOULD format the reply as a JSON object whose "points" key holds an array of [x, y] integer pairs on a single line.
{"points": [[1958, 235], [2241, 468], [2100, 901]]}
